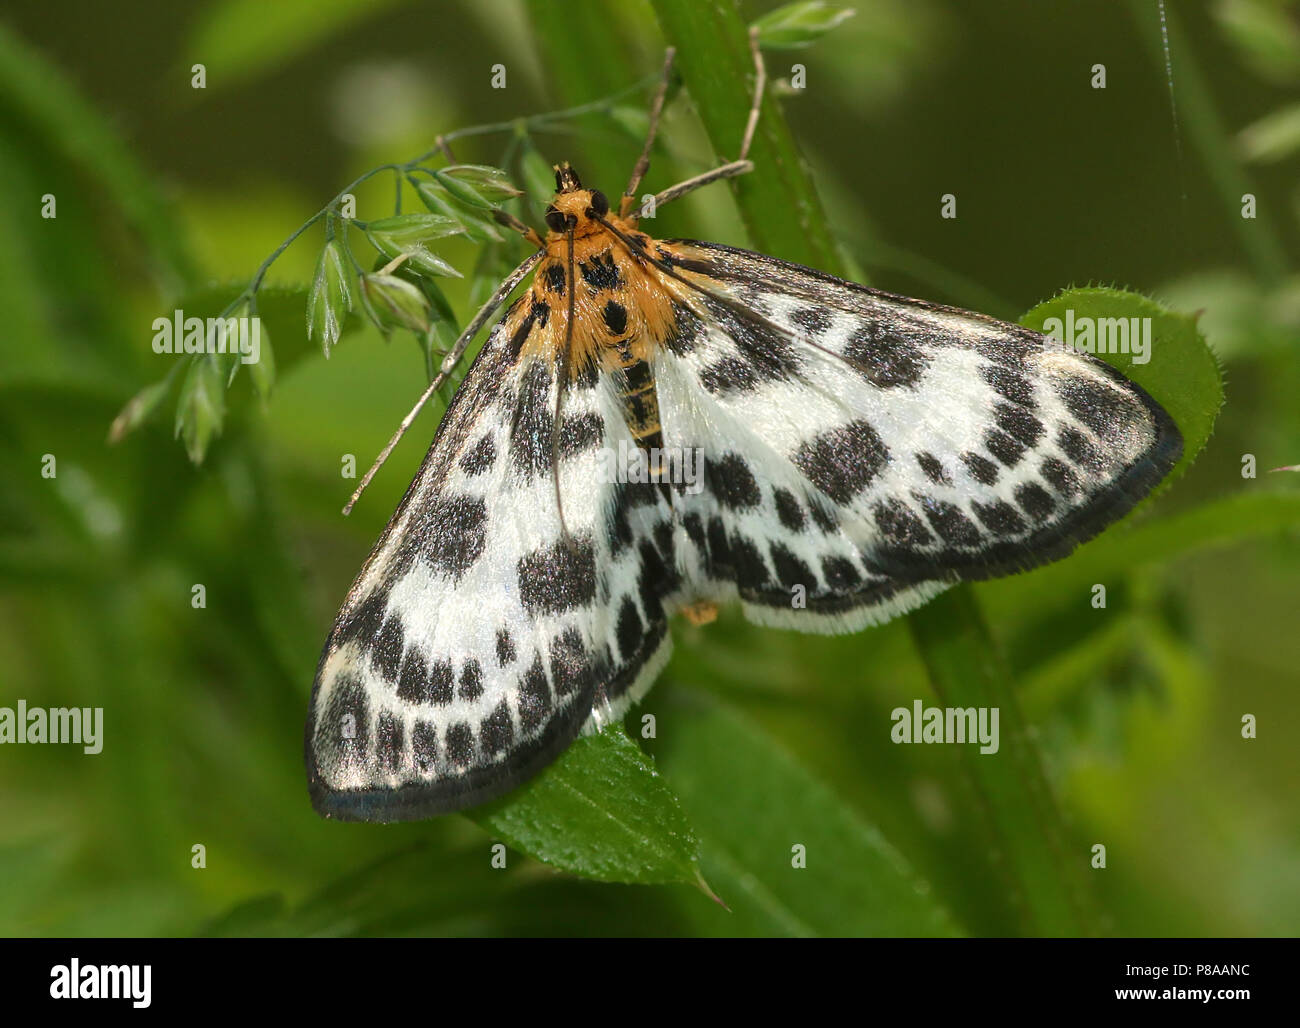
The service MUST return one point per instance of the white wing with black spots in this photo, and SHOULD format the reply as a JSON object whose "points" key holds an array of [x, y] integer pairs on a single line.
{"points": [[477, 641], [874, 450]]}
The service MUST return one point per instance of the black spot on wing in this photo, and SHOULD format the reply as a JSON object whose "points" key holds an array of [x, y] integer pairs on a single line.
{"points": [[480, 457], [760, 344], [814, 320], [790, 569], [933, 468], [386, 654], [530, 434], [570, 664], [629, 629], [843, 461], [441, 679], [1079, 449], [581, 433], [1003, 447], [1059, 474], [983, 470], [840, 574], [732, 483], [947, 519], [1034, 500], [389, 742], [505, 648], [900, 524], [885, 355], [1106, 410], [1009, 383], [747, 564], [343, 735], [496, 731], [1000, 518], [1017, 422], [534, 697], [456, 532], [788, 510], [687, 328], [424, 746], [363, 624], [413, 679], [656, 579], [559, 578], [729, 375], [460, 744], [471, 681], [520, 335]]}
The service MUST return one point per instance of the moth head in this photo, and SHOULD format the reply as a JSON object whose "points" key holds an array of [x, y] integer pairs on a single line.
{"points": [[574, 207]]}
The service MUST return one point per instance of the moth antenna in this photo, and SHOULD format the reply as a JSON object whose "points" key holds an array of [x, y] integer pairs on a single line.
{"points": [[562, 380], [448, 366], [643, 162]]}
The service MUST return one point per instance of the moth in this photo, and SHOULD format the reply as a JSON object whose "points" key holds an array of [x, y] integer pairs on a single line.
{"points": [[861, 450]]}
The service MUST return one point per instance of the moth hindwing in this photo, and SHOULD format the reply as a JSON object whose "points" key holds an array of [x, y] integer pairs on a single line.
{"points": [[731, 428]]}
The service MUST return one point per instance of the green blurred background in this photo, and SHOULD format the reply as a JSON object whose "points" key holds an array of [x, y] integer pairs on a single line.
{"points": [[165, 191]]}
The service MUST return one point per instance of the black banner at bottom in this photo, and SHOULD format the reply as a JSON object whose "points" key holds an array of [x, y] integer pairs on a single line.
{"points": [[337, 977]]}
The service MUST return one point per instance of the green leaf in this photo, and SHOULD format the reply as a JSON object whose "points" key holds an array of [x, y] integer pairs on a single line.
{"points": [[477, 227], [538, 175], [414, 228], [262, 370], [330, 298], [393, 302], [799, 25], [477, 184], [1180, 370], [406, 234], [1265, 33], [600, 811], [443, 329], [201, 406], [751, 802], [1273, 137], [138, 408]]}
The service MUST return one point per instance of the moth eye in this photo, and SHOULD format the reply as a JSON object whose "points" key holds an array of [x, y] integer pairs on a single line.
{"points": [[554, 219], [599, 203]]}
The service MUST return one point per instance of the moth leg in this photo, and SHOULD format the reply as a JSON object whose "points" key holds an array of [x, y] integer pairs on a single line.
{"points": [[741, 164], [508, 220], [702, 613], [643, 162]]}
